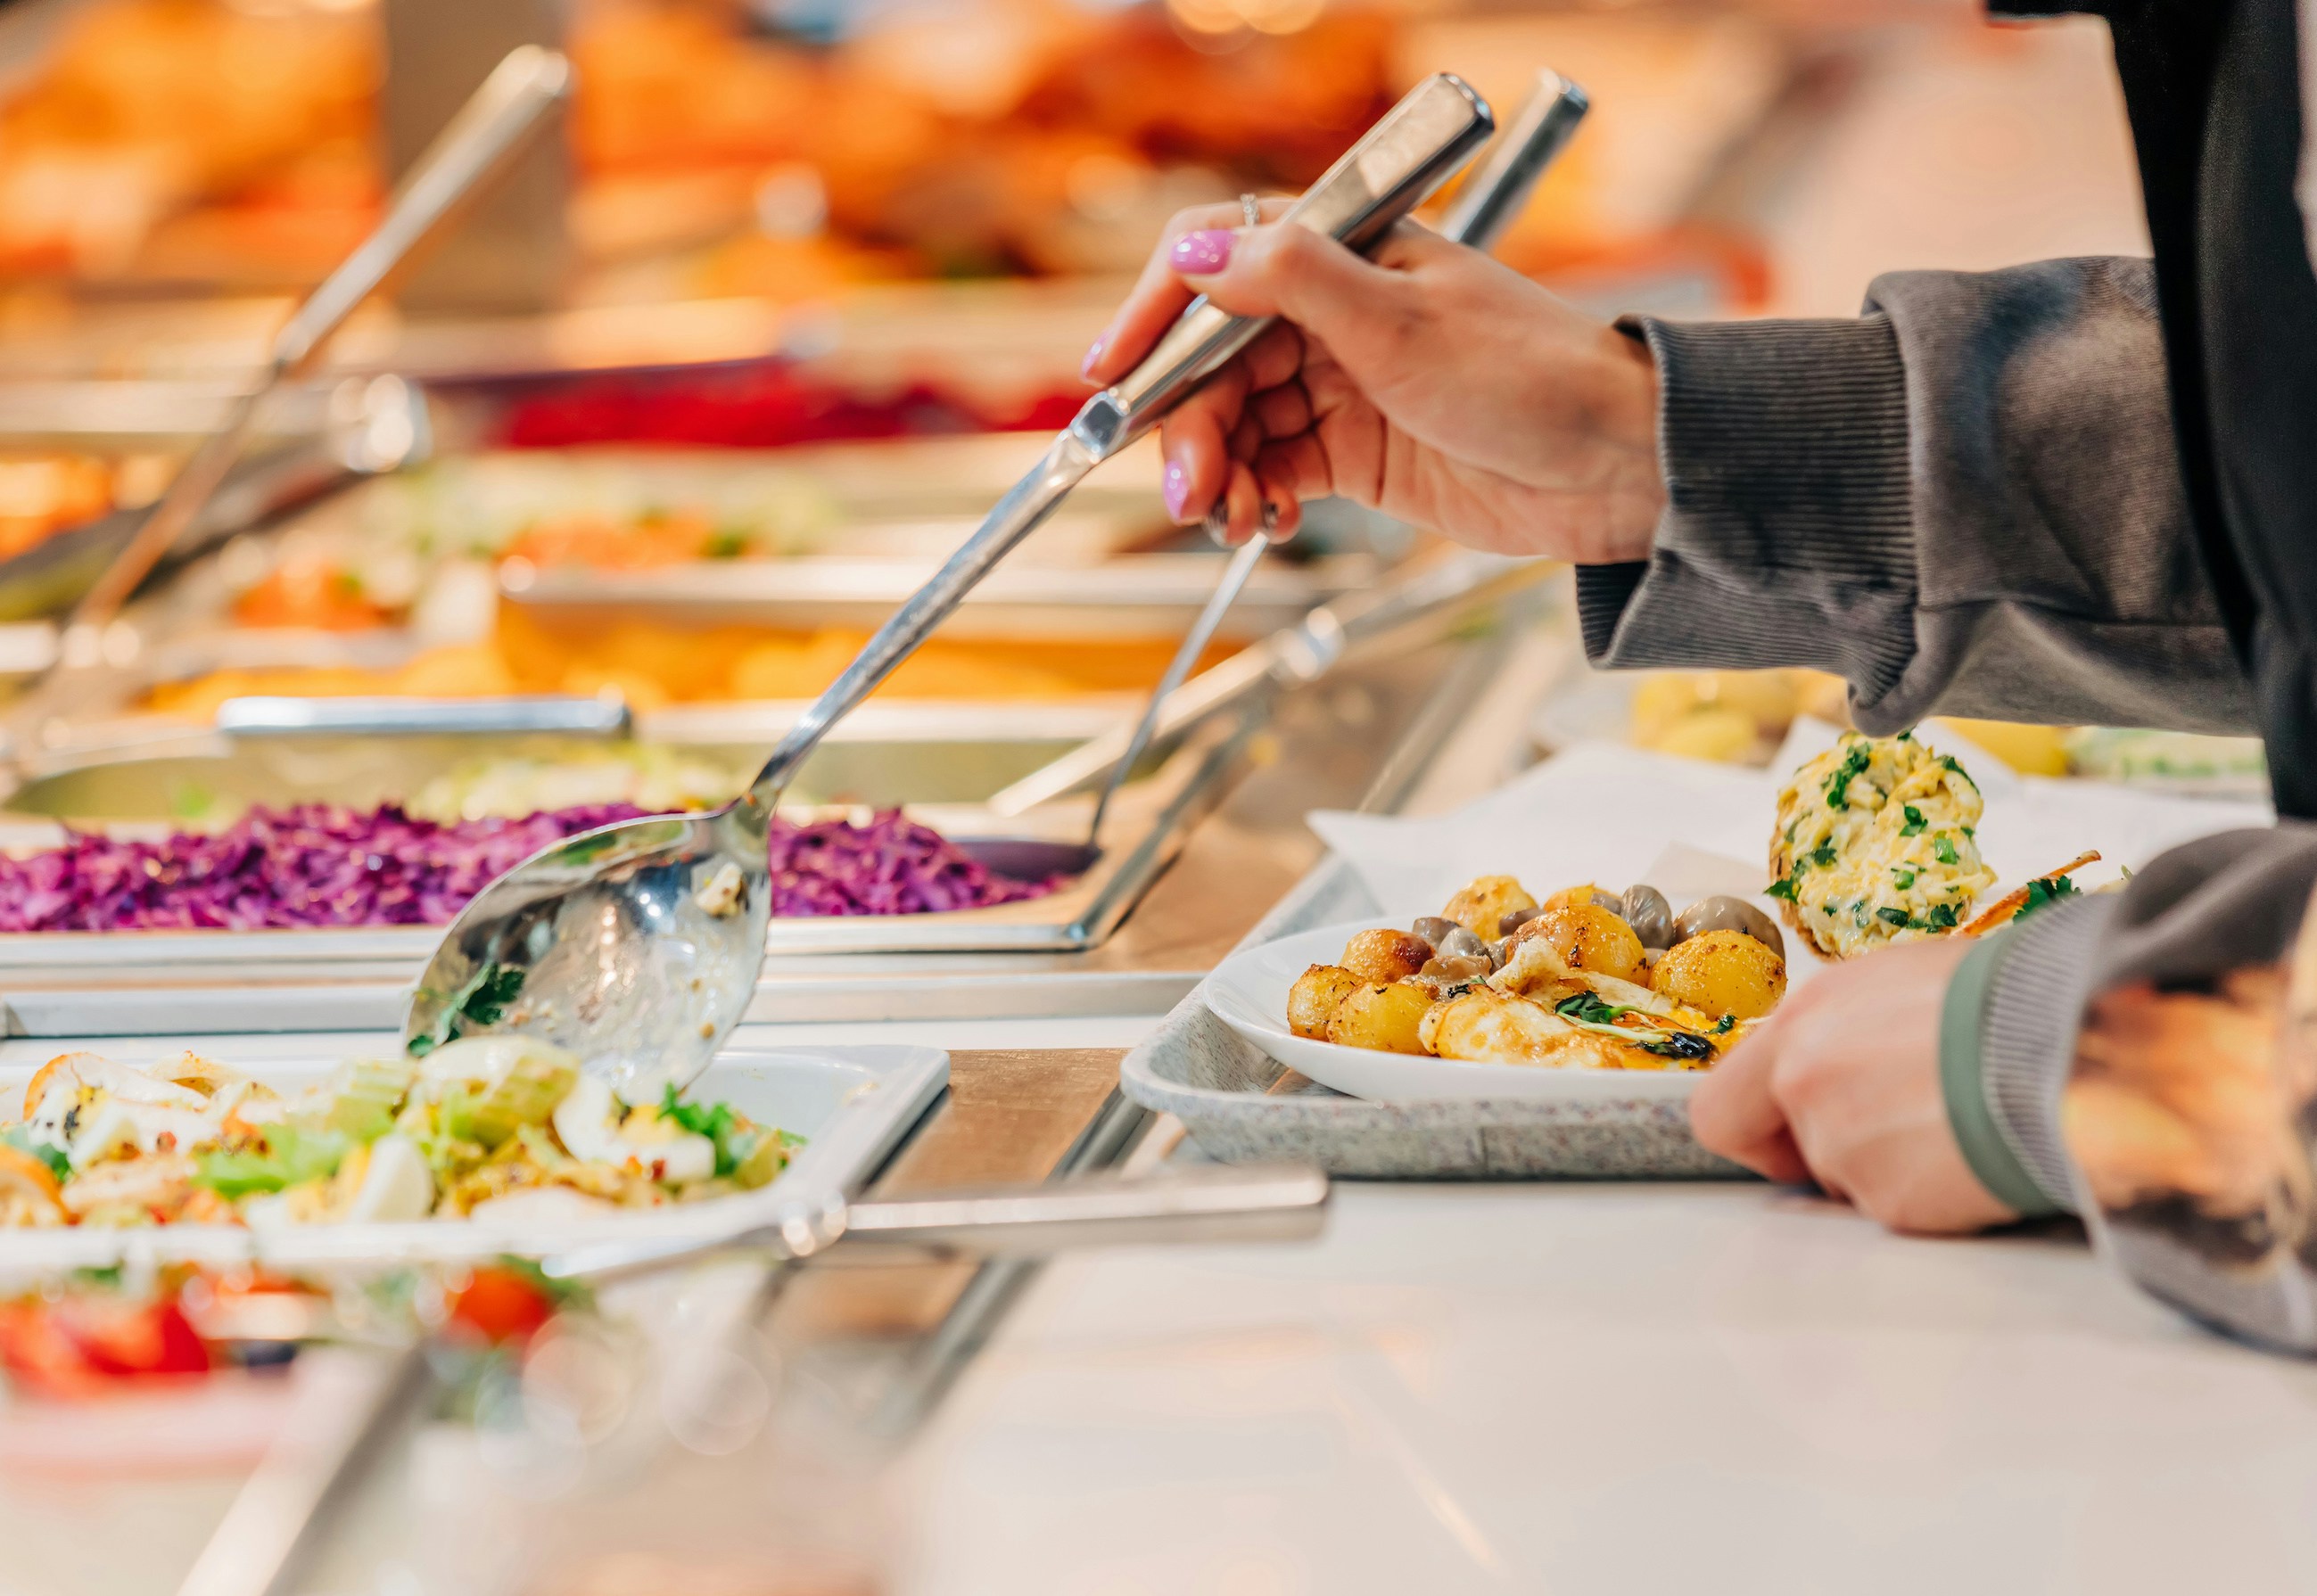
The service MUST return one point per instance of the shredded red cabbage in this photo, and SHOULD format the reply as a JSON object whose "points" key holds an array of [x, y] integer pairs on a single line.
{"points": [[316, 865]]}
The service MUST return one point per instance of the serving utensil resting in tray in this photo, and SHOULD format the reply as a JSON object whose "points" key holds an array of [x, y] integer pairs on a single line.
{"points": [[492, 125], [638, 944]]}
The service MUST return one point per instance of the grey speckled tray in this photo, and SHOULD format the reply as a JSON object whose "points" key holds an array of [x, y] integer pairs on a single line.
{"points": [[1204, 1074]]}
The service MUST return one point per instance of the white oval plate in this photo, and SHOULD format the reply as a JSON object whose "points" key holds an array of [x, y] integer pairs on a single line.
{"points": [[1248, 993]]}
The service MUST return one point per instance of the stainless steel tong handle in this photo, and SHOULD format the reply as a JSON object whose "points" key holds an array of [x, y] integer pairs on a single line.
{"points": [[487, 129], [1389, 173], [1246, 1203], [1483, 207], [1385, 175]]}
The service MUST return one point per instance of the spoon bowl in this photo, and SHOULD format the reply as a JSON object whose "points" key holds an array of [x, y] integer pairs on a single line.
{"points": [[636, 945]]}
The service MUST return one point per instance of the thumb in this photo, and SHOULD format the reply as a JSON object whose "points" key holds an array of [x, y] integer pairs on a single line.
{"points": [[1307, 278], [1735, 1113]]}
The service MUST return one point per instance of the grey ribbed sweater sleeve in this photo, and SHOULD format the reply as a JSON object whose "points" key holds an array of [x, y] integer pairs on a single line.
{"points": [[2197, 916], [1966, 501]]}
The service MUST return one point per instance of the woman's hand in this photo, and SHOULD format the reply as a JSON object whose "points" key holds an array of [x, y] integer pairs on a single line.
{"points": [[1431, 383], [1842, 1086]]}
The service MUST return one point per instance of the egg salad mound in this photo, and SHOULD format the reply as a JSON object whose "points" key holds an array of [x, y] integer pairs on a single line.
{"points": [[1876, 843]]}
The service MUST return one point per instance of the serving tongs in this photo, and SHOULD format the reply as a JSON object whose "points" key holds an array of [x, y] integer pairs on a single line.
{"points": [[312, 1478], [474, 145], [639, 944], [1483, 207]]}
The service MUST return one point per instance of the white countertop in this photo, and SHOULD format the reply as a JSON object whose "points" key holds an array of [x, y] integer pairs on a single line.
{"points": [[1581, 1388], [1573, 1388]]}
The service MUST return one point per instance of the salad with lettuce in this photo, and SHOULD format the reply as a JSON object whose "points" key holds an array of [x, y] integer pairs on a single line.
{"points": [[478, 1124]]}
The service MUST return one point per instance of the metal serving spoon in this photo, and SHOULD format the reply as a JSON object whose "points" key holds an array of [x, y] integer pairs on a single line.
{"points": [[638, 945], [1489, 200]]}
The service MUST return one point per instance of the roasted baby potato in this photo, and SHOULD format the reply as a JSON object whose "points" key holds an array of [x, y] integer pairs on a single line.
{"points": [[1589, 937], [1483, 903], [1311, 1001], [1723, 972], [1387, 1016], [1386, 955]]}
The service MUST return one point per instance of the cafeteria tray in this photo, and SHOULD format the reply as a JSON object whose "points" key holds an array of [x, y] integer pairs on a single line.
{"points": [[853, 1104], [1226, 1091]]}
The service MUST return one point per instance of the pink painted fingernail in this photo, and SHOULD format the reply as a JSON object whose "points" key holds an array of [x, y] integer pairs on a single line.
{"points": [[1205, 252], [1175, 487], [1086, 366]]}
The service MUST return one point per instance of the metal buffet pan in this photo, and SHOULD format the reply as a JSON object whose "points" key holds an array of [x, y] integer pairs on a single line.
{"points": [[317, 442], [1013, 959]]}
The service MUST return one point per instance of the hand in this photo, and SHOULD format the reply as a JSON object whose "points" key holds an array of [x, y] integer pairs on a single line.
{"points": [[1431, 383], [1841, 1085]]}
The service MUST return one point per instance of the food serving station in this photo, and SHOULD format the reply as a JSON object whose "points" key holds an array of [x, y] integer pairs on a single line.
{"points": [[1208, 1110]]}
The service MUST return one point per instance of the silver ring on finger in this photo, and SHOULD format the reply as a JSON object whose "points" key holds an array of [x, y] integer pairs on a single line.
{"points": [[1251, 207]]}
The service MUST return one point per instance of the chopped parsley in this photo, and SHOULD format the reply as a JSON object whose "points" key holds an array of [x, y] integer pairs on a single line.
{"points": [[1784, 887], [1914, 826], [2044, 891], [1942, 918], [1822, 855], [1854, 764], [483, 1000], [1948, 760], [1893, 916], [1943, 847], [1722, 1027], [1903, 879]]}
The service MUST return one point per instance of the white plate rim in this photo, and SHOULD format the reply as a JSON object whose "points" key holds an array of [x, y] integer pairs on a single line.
{"points": [[1240, 993]]}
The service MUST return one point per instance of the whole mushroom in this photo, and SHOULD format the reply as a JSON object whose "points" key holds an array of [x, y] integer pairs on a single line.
{"points": [[1723, 913], [1646, 910]]}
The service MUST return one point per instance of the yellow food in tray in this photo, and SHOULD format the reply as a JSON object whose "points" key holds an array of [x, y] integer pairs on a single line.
{"points": [[1728, 717], [1583, 980], [1877, 841], [651, 665]]}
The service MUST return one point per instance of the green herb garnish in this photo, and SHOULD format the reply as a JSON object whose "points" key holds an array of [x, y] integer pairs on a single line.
{"points": [[1892, 916], [1943, 847], [2045, 890], [482, 1001], [1903, 879], [1942, 918], [1590, 1007], [1914, 826], [1948, 760], [1854, 764], [1822, 855], [1784, 887]]}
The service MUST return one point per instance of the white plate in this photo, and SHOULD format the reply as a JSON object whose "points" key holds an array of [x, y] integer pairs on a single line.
{"points": [[1248, 993], [852, 1105]]}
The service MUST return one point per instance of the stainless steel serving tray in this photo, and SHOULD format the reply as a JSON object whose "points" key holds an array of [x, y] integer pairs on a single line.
{"points": [[1129, 595], [1011, 961]]}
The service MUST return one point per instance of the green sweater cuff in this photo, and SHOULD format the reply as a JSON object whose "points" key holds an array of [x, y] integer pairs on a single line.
{"points": [[1961, 1025]]}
